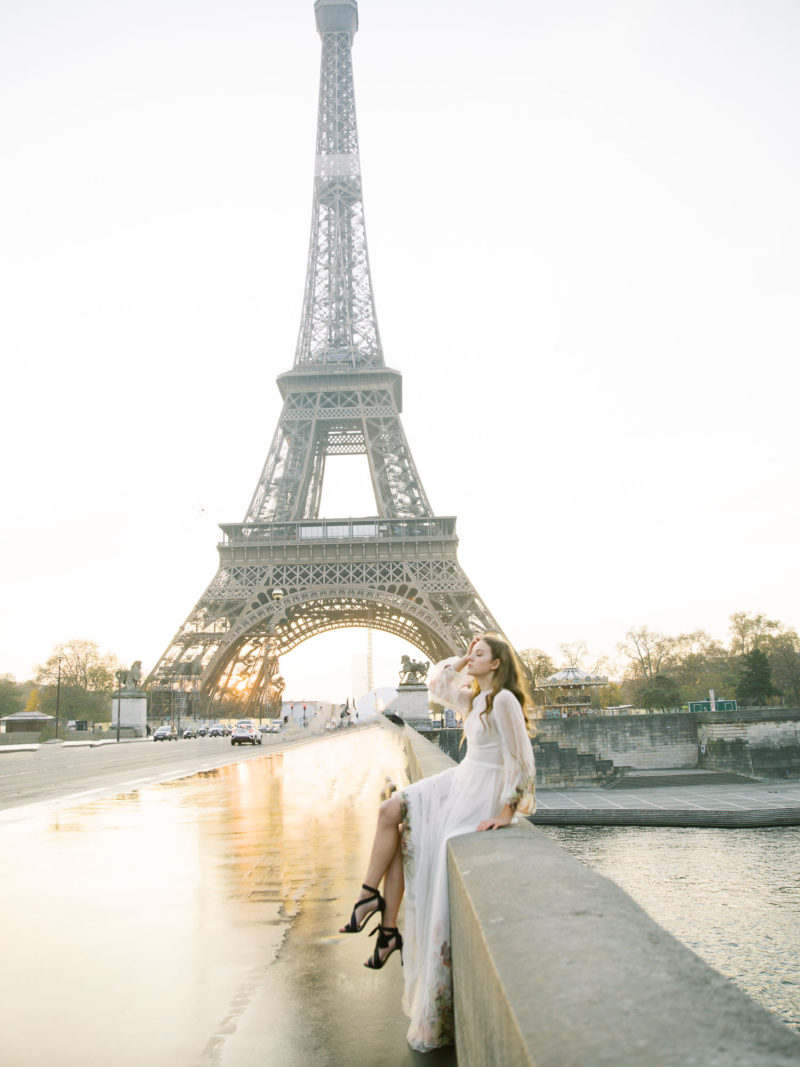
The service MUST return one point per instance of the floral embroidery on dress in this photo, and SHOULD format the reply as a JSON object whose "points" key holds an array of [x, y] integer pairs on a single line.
{"points": [[437, 1027], [523, 796], [406, 838], [444, 1024]]}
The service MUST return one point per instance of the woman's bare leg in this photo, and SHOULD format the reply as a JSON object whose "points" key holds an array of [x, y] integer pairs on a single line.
{"points": [[385, 851], [393, 886], [387, 840]]}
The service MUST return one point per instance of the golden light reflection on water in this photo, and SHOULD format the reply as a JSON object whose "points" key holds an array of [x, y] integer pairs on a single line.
{"points": [[140, 927]]}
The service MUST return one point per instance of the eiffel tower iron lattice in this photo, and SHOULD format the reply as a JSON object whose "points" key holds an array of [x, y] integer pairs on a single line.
{"points": [[286, 574]]}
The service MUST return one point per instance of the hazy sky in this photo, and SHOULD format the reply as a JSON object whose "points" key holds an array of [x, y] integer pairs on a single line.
{"points": [[583, 222]]}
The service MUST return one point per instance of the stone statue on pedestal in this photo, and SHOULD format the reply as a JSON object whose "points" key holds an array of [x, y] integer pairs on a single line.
{"points": [[413, 672], [129, 702], [411, 705], [132, 678]]}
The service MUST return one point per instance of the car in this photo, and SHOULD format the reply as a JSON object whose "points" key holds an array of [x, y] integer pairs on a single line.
{"points": [[272, 727], [189, 732], [216, 730], [165, 733], [202, 731], [245, 733]]}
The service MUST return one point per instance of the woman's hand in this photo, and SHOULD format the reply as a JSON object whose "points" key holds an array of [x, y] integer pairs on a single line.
{"points": [[503, 819], [496, 823], [461, 664]]}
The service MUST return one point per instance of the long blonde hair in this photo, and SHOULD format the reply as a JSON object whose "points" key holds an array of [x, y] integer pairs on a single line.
{"points": [[509, 675]]}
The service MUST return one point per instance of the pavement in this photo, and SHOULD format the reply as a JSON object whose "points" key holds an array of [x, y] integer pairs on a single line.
{"points": [[736, 805], [194, 922]]}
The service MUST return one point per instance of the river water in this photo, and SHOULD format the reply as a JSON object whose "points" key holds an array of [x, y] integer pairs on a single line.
{"points": [[732, 896]]}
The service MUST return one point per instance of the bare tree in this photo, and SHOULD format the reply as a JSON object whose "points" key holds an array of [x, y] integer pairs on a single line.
{"points": [[784, 658], [87, 680], [646, 651], [572, 653], [747, 631], [537, 666]]}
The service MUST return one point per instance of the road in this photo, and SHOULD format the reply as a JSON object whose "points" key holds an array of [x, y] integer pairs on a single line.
{"points": [[70, 773]]}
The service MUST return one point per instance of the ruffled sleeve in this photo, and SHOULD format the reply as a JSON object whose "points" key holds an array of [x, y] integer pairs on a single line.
{"points": [[450, 687], [519, 772]]}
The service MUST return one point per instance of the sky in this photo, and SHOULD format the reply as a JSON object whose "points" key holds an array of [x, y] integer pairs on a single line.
{"points": [[583, 229]]}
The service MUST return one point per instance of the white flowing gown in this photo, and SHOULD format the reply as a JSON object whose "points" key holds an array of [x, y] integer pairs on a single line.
{"points": [[497, 769]]}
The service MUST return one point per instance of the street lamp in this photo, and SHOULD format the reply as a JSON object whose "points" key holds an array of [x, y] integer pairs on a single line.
{"points": [[120, 676], [58, 693]]}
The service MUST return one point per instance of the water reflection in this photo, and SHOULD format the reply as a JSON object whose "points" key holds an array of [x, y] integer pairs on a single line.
{"points": [[140, 929], [733, 896]]}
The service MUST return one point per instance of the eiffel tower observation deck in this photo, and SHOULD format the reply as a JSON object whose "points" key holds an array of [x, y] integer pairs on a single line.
{"points": [[286, 573]]}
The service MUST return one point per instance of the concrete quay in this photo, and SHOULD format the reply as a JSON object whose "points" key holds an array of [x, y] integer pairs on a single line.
{"points": [[556, 966], [738, 805]]}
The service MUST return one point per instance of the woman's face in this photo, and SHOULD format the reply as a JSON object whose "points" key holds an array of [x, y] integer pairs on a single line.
{"points": [[480, 662]]}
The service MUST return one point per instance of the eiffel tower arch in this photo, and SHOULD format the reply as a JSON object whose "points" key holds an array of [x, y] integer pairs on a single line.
{"points": [[285, 573]]}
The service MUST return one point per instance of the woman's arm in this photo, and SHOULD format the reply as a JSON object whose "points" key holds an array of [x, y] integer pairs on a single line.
{"points": [[517, 787], [449, 685]]}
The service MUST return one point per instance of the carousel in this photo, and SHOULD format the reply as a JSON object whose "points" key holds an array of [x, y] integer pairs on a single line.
{"points": [[570, 692]]}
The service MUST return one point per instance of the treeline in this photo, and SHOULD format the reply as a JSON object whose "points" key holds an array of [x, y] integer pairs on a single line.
{"points": [[759, 665], [87, 680]]}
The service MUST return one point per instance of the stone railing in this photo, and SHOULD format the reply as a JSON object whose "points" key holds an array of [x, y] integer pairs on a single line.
{"points": [[556, 966]]}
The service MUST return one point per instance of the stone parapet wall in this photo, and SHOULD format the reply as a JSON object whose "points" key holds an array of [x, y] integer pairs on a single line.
{"points": [[424, 757], [556, 966], [750, 715]]}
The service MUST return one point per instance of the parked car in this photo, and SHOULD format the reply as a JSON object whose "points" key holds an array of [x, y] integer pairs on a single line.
{"points": [[245, 733], [165, 733], [189, 732]]}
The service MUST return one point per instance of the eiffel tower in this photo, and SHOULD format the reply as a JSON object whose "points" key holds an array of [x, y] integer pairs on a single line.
{"points": [[285, 573]]}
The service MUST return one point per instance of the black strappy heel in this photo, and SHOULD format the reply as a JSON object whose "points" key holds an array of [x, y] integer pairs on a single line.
{"points": [[354, 926], [386, 936]]}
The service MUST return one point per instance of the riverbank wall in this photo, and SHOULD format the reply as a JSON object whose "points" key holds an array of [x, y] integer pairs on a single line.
{"points": [[595, 749], [556, 966], [759, 743]]}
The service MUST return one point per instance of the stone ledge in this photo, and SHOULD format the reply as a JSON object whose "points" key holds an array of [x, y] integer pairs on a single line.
{"points": [[556, 966], [424, 758]]}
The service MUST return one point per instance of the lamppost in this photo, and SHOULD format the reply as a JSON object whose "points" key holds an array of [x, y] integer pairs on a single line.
{"points": [[58, 693], [120, 676]]}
